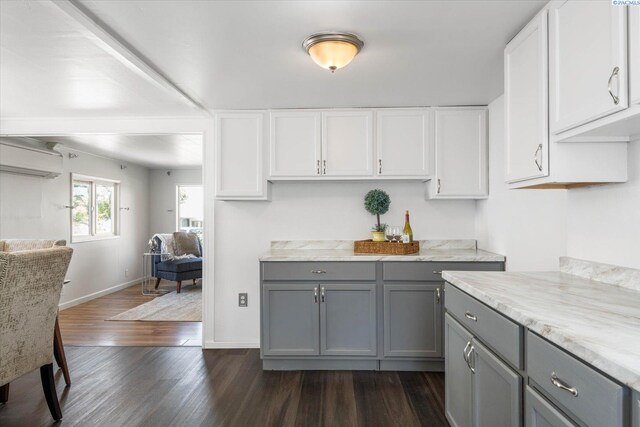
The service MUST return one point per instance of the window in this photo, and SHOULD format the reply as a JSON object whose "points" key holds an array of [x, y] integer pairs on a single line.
{"points": [[190, 203], [94, 208]]}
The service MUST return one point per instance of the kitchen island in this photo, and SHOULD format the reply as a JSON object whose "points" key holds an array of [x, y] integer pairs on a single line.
{"points": [[325, 307], [558, 346]]}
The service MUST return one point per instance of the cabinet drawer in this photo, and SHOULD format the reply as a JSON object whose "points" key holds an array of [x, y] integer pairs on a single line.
{"points": [[487, 324], [593, 398], [318, 271], [431, 271], [540, 413]]}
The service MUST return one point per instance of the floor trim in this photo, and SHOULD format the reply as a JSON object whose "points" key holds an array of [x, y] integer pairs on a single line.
{"points": [[78, 301], [230, 344]]}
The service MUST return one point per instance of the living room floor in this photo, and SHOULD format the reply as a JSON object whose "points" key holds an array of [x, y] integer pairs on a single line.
{"points": [[86, 324], [160, 386]]}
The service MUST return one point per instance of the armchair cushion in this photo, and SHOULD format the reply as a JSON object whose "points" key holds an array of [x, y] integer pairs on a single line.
{"points": [[186, 243], [12, 245], [180, 265]]}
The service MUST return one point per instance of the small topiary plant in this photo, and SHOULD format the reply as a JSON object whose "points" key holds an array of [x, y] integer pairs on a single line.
{"points": [[377, 203]]}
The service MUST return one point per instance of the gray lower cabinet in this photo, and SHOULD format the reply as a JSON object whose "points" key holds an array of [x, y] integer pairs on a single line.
{"points": [[497, 389], [290, 320], [540, 413], [480, 389], [348, 319], [412, 320], [458, 388]]}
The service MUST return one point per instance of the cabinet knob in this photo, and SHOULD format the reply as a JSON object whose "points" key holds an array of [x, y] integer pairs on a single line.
{"points": [[379, 166], [438, 185], [324, 167], [318, 167]]}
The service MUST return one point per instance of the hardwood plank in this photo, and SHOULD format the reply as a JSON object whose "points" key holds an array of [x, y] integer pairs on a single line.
{"points": [[186, 386], [86, 324]]}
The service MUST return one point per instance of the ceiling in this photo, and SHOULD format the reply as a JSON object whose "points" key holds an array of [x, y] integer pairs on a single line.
{"points": [[51, 65], [152, 151], [248, 54]]}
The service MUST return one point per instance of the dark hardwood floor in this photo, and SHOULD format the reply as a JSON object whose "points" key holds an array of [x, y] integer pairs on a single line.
{"points": [[86, 324], [186, 386]]}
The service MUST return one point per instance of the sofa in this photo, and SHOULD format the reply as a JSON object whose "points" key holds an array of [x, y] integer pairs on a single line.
{"points": [[176, 270]]}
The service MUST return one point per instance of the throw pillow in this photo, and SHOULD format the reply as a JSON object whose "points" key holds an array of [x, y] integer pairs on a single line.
{"points": [[186, 243]]}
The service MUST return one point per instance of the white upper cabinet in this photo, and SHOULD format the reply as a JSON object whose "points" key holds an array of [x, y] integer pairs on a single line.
{"points": [[460, 136], [239, 156], [295, 148], [634, 54], [402, 138], [347, 143], [587, 62], [526, 102]]}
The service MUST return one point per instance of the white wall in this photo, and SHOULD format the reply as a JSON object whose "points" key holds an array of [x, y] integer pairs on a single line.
{"points": [[527, 226], [32, 208], [604, 221], [307, 211], [162, 193]]}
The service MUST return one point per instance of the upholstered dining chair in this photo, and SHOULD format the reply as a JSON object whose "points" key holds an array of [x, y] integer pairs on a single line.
{"points": [[30, 286]]}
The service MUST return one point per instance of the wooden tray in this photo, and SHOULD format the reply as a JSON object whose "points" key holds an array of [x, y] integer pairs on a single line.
{"points": [[387, 248]]}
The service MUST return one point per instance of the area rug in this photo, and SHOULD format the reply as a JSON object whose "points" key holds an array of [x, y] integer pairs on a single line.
{"points": [[185, 306]]}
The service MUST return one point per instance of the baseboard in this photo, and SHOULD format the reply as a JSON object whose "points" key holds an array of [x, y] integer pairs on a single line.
{"points": [[230, 344], [98, 294]]}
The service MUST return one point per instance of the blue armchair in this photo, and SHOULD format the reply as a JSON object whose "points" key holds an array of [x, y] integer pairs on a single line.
{"points": [[176, 270]]}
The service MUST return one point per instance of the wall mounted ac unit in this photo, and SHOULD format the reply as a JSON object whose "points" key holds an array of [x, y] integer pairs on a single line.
{"points": [[26, 156]]}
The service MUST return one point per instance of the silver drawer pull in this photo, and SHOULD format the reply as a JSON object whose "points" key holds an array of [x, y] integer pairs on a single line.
{"points": [[470, 316], [315, 294], [437, 295], [562, 385], [322, 294], [437, 272], [318, 271]]}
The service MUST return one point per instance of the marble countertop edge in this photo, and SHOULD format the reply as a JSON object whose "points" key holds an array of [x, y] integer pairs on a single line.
{"points": [[622, 369]]}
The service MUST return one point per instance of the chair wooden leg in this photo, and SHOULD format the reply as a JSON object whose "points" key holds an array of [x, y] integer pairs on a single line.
{"points": [[158, 282], [179, 287], [58, 353], [49, 388], [4, 393]]}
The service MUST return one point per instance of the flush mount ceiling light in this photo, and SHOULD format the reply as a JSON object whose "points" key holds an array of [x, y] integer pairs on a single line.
{"points": [[332, 50]]}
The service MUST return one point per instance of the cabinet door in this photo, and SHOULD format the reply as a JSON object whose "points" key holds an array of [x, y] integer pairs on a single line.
{"points": [[348, 319], [412, 320], [403, 143], [457, 377], [461, 153], [540, 413], [526, 104], [290, 320], [497, 390], [347, 143], [587, 62], [239, 149], [634, 53], [295, 144]]}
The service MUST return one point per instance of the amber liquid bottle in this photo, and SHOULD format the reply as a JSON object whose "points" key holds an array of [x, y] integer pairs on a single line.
{"points": [[406, 231]]}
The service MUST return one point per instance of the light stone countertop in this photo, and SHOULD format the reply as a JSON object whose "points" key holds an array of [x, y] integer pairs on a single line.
{"points": [[342, 250], [595, 321]]}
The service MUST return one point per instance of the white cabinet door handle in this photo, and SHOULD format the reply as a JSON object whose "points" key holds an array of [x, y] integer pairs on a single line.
{"points": [[614, 73], [535, 157]]}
